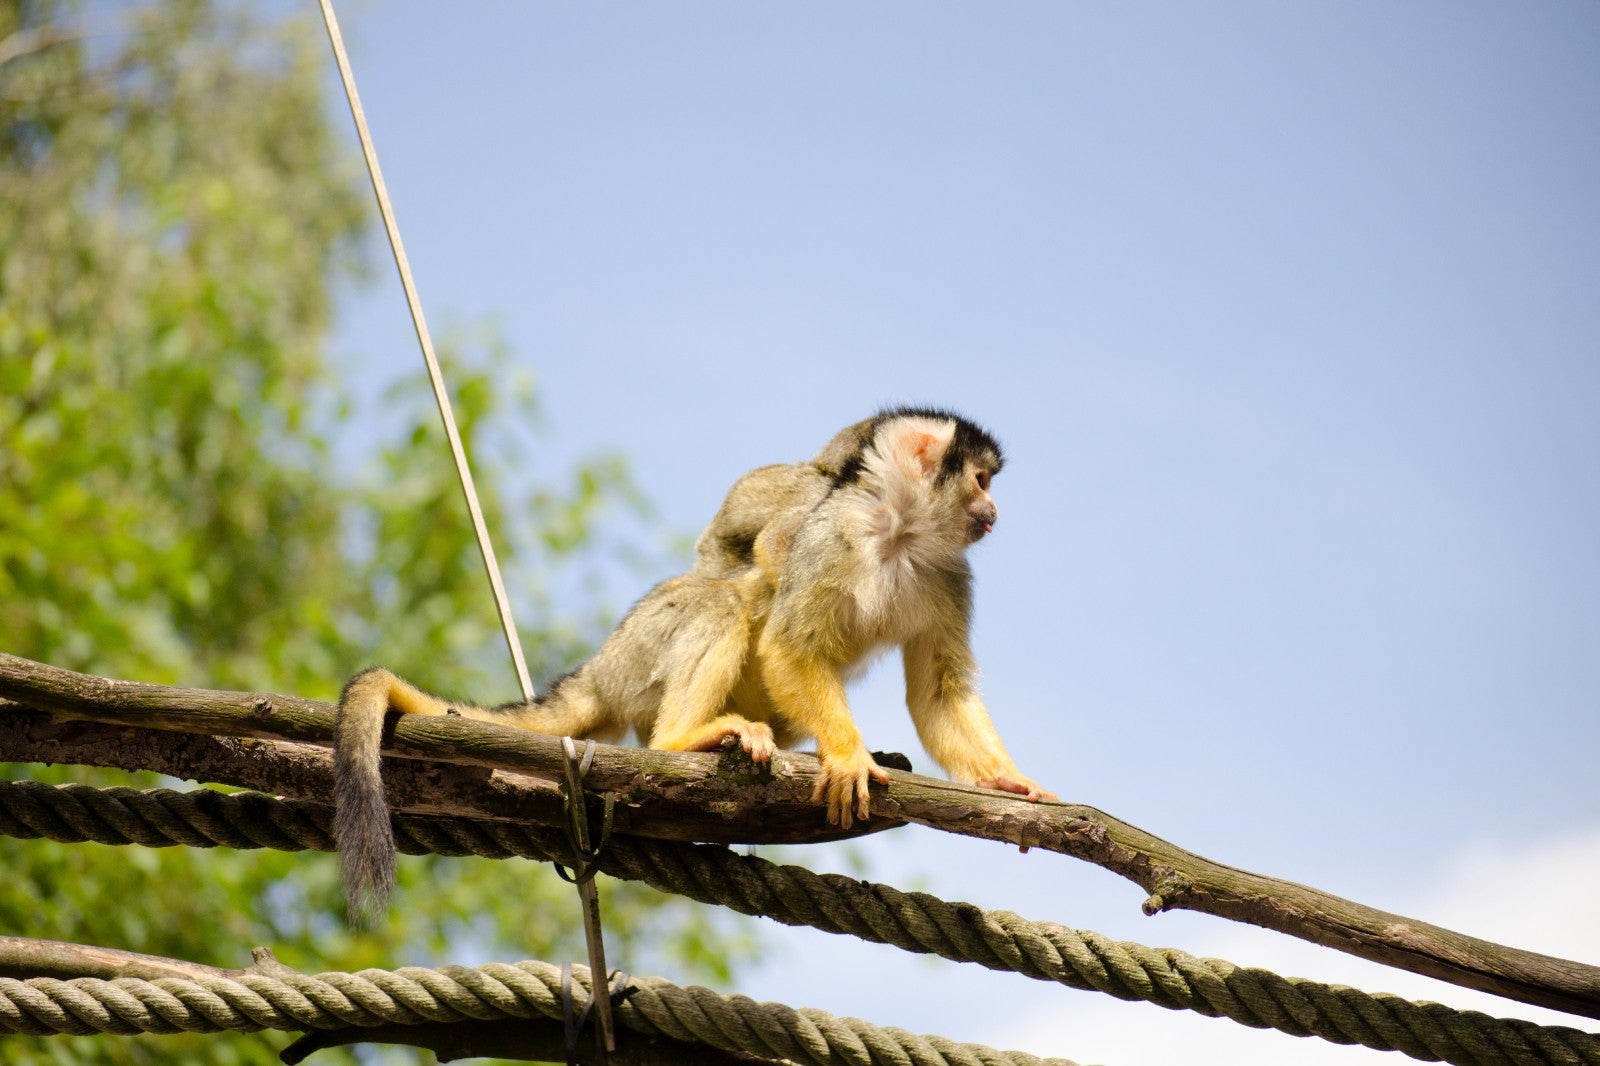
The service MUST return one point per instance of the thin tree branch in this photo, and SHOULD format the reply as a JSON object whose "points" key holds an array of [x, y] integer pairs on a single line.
{"points": [[38, 38], [725, 792], [24, 957]]}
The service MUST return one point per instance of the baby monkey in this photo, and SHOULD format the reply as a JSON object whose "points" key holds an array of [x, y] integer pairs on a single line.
{"points": [[806, 572]]}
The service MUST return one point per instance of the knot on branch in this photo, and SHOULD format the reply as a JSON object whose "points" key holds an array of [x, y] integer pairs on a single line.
{"points": [[1166, 894]]}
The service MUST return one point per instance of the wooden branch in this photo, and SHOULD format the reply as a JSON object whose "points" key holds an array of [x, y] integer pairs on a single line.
{"points": [[279, 768], [38, 38], [713, 792], [717, 798], [288, 769], [23, 957]]}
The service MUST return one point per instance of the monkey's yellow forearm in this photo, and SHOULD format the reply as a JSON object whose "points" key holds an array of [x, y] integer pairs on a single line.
{"points": [[809, 696], [951, 720]]}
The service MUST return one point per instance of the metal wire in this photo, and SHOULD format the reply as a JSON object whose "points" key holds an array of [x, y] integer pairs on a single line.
{"points": [[468, 489]]}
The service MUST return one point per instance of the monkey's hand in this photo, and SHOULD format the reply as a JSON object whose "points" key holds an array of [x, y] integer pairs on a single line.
{"points": [[1025, 787], [842, 785]]}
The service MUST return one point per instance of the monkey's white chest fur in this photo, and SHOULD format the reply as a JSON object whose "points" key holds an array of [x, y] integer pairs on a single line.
{"points": [[905, 554]]}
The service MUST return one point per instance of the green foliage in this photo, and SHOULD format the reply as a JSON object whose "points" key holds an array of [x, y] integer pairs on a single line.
{"points": [[185, 495], [171, 217]]}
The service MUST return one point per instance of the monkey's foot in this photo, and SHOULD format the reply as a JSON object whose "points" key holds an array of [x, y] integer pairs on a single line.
{"points": [[842, 785], [1019, 785], [755, 738]]}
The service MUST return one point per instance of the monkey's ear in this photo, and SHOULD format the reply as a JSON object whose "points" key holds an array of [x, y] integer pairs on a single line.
{"points": [[915, 446]]}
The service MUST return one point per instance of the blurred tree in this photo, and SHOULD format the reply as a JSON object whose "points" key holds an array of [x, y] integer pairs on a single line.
{"points": [[174, 209]]}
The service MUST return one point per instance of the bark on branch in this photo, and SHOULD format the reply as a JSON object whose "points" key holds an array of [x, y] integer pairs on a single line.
{"points": [[711, 797]]}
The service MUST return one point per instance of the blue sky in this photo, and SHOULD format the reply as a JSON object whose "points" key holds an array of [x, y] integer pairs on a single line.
{"points": [[1288, 317]]}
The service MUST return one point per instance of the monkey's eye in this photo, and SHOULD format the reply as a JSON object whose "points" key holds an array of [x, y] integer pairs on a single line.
{"points": [[983, 480]]}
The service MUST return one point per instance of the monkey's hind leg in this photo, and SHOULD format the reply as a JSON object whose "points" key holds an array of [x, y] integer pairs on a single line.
{"points": [[756, 738], [704, 664], [573, 707], [361, 827]]}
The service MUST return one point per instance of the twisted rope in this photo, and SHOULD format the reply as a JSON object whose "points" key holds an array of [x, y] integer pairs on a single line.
{"points": [[913, 921], [498, 991]]}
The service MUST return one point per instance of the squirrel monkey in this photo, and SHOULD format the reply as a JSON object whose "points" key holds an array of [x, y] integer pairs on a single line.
{"points": [[807, 570]]}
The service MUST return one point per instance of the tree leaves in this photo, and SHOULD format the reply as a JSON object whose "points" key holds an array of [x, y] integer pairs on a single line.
{"points": [[186, 497]]}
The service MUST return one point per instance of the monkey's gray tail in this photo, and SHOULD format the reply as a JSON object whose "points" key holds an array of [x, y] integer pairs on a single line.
{"points": [[361, 827]]}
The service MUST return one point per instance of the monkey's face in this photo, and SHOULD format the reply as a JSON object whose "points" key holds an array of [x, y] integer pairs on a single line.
{"points": [[980, 507]]}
